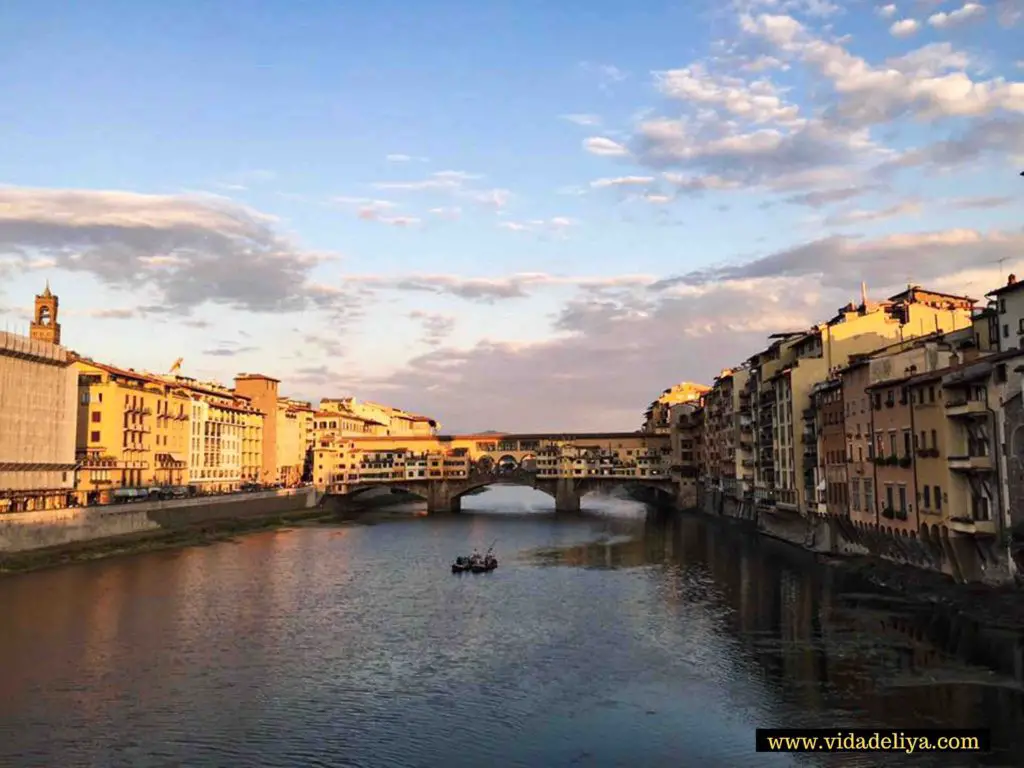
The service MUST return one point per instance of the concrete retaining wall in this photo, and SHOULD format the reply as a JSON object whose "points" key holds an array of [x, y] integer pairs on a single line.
{"points": [[25, 531]]}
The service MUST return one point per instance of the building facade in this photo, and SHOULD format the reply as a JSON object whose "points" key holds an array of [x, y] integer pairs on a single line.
{"points": [[132, 432], [294, 440], [37, 420], [261, 393], [225, 436]]}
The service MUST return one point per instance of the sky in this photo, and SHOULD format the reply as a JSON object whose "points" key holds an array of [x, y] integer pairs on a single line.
{"points": [[519, 216]]}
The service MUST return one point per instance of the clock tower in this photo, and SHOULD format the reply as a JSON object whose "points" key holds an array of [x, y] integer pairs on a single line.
{"points": [[44, 319]]}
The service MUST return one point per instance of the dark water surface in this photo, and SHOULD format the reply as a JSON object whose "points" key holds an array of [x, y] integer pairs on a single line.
{"points": [[605, 639]]}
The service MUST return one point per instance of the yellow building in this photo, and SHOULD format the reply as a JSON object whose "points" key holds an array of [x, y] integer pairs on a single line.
{"points": [[225, 445], [364, 417], [133, 432], [358, 459], [798, 361], [37, 423], [657, 417], [294, 431], [261, 393]]}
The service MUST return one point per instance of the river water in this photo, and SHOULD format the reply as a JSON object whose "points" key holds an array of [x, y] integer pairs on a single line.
{"points": [[612, 638]]}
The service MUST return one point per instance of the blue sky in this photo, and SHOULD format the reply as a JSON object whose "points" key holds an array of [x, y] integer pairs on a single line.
{"points": [[508, 215]]}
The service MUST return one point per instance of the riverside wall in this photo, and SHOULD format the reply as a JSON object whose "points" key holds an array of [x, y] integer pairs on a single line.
{"points": [[965, 559], [54, 528]]}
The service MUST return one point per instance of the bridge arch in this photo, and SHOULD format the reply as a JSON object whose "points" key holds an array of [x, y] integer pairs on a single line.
{"points": [[393, 487], [507, 463], [495, 482], [663, 488]]}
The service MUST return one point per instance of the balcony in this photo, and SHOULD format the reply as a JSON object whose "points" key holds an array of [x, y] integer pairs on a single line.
{"points": [[966, 408], [971, 527], [970, 463], [786, 498]]}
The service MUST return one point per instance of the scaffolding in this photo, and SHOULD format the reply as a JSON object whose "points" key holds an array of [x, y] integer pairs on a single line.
{"points": [[38, 416]]}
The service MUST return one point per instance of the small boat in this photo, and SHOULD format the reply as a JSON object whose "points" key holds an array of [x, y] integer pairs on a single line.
{"points": [[475, 563]]}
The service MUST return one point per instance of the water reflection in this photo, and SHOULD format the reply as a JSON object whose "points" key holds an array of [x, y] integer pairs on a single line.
{"points": [[610, 638], [826, 641]]}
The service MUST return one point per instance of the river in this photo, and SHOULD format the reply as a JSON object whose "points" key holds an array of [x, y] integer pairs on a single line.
{"points": [[612, 638]]}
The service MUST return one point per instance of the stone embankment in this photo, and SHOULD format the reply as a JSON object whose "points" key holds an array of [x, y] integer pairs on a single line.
{"points": [[985, 589], [43, 537]]}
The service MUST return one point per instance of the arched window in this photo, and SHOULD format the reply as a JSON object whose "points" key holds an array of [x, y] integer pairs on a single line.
{"points": [[1017, 443]]}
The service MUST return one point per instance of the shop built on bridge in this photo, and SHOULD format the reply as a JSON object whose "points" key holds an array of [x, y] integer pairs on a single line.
{"points": [[444, 468]]}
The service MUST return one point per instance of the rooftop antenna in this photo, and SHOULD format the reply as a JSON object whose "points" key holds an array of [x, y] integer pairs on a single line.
{"points": [[1000, 263]]}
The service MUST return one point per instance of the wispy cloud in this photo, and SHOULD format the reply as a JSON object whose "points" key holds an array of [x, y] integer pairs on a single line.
{"points": [[586, 120]]}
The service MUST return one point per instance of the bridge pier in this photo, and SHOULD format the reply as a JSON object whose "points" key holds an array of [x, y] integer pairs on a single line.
{"points": [[441, 499], [566, 497]]}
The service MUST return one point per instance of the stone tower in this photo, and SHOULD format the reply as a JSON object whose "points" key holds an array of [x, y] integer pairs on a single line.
{"points": [[44, 318]]}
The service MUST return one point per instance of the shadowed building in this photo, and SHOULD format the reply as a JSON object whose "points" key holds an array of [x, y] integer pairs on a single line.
{"points": [[37, 414]]}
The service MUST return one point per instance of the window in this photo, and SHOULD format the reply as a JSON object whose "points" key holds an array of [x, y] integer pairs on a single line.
{"points": [[927, 503], [892, 442], [903, 498], [889, 497], [923, 444], [1006, 331], [1002, 306], [907, 447], [931, 394], [94, 437], [938, 497], [869, 495], [85, 398], [95, 417], [855, 494], [935, 440]]}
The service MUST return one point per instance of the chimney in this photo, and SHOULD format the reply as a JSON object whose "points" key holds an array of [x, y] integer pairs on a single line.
{"points": [[864, 293], [1011, 279]]}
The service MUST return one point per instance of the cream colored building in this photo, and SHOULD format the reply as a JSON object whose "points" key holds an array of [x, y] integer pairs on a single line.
{"points": [[37, 424], [226, 436]]}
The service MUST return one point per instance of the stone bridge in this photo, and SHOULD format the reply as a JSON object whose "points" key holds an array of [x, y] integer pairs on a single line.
{"points": [[444, 494]]}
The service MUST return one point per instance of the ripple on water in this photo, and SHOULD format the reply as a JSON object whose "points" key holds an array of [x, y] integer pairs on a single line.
{"points": [[645, 646]]}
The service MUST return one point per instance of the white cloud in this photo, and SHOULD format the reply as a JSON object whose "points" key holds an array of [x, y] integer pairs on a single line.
{"points": [[607, 75], [622, 181], [452, 212], [557, 224], [869, 95], [904, 28], [186, 249], [1009, 12], [966, 13], [886, 11], [457, 183], [635, 338], [600, 145], [861, 216], [755, 102], [437, 326], [586, 120]]}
